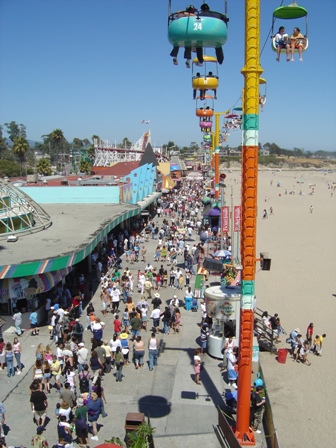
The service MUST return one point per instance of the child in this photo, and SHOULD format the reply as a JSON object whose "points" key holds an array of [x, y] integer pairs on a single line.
{"points": [[58, 405], [318, 340], [71, 379]]}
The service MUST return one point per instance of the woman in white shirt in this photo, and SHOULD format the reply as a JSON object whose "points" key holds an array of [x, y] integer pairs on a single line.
{"points": [[231, 363], [114, 343]]}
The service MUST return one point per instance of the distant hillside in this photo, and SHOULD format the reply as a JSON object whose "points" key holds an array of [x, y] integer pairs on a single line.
{"points": [[31, 143]]}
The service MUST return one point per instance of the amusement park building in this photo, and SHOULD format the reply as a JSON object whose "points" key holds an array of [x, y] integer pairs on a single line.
{"points": [[83, 212]]}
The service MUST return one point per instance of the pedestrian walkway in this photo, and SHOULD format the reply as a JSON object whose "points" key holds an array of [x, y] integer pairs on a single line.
{"points": [[181, 412]]}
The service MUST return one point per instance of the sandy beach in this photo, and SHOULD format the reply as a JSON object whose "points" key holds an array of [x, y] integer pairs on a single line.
{"points": [[299, 288]]}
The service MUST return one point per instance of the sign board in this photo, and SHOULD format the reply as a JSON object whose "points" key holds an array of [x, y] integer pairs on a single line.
{"points": [[225, 216], [236, 217]]}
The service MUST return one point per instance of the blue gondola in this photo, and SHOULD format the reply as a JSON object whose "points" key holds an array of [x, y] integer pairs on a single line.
{"points": [[197, 29]]}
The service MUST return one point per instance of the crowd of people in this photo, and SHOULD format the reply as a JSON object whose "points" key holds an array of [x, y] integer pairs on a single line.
{"points": [[302, 346], [75, 368]]}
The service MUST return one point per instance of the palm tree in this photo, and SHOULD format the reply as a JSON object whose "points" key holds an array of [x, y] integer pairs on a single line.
{"points": [[56, 142], [126, 143], [57, 137], [20, 147], [85, 167], [43, 167]]}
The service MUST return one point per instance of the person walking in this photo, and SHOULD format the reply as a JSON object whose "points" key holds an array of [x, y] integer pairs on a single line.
{"points": [[156, 313], [33, 323], [197, 366], [9, 357], [93, 408], [81, 423], [204, 338], [152, 351], [39, 404], [39, 441], [138, 352], [166, 317], [2, 354], [64, 432], [2, 419], [136, 324], [17, 317], [17, 349], [119, 363], [231, 357]]}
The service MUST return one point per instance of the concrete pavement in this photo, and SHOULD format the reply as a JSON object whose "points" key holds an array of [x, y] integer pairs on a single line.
{"points": [[167, 394]]}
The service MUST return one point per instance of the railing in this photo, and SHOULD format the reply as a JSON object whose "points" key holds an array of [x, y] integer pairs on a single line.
{"points": [[271, 434], [225, 432], [264, 334]]}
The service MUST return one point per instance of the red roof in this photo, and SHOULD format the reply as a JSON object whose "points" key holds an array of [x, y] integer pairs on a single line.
{"points": [[119, 169]]}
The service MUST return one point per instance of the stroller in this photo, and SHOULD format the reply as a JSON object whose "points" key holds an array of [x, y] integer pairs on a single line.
{"points": [[194, 304]]}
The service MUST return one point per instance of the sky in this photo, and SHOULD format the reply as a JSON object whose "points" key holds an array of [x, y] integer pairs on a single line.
{"points": [[103, 66]]}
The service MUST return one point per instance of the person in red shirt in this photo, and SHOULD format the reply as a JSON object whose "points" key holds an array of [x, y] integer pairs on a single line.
{"points": [[117, 325], [309, 335]]}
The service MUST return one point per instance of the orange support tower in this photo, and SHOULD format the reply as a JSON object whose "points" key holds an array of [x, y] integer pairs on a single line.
{"points": [[250, 125]]}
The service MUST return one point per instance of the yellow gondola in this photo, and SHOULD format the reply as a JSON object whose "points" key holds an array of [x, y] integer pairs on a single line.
{"points": [[205, 78]]}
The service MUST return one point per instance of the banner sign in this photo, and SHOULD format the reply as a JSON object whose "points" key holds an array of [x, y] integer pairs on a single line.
{"points": [[236, 217], [225, 218]]}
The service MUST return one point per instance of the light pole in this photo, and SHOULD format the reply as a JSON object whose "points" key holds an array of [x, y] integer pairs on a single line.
{"points": [[222, 201]]}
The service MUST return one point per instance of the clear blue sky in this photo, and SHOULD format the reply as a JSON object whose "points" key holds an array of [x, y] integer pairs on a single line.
{"points": [[102, 66]]}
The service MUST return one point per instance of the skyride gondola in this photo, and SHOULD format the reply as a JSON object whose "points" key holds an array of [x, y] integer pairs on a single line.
{"points": [[205, 113], [262, 94], [291, 12], [196, 29], [206, 78]]}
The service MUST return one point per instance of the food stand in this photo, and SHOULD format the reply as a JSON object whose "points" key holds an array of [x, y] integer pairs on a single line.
{"points": [[223, 306]]}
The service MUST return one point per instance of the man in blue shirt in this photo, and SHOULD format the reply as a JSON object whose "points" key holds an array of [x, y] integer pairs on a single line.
{"points": [[33, 323]]}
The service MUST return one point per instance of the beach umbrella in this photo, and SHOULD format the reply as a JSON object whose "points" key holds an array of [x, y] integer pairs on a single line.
{"points": [[222, 253]]}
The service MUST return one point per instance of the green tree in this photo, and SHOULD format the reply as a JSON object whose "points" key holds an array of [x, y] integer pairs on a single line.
{"points": [[194, 146], [43, 167], [57, 144], [9, 168], [125, 143], [20, 147], [95, 137], [91, 153], [77, 143], [85, 167], [3, 144], [13, 130]]}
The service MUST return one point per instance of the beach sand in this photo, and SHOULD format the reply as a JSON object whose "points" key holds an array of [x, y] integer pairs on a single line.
{"points": [[299, 287]]}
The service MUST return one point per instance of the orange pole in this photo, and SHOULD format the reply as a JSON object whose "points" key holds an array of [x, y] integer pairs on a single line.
{"points": [[250, 128]]}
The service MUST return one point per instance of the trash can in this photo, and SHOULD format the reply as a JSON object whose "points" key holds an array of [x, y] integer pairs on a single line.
{"points": [[132, 422], [282, 355]]}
